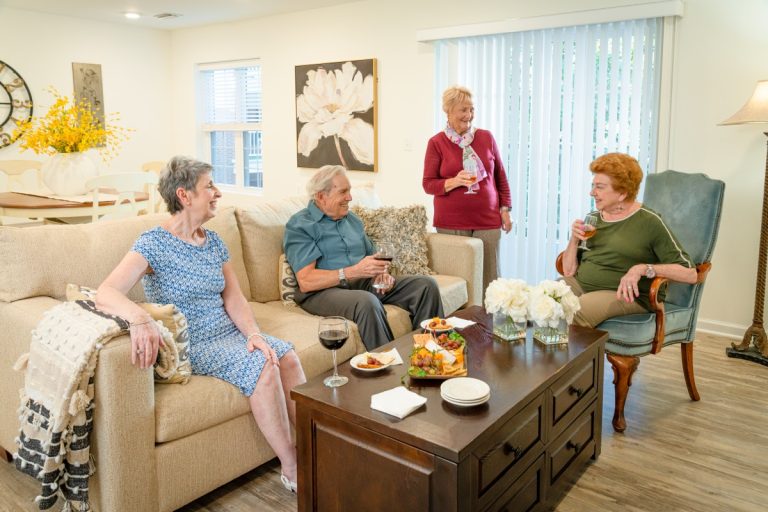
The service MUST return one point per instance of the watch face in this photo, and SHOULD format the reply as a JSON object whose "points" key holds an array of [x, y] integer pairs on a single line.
{"points": [[15, 103]]}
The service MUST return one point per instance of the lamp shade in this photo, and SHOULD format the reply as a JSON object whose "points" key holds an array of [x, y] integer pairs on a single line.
{"points": [[755, 110]]}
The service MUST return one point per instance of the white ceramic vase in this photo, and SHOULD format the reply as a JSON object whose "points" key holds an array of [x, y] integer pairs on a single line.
{"points": [[66, 173]]}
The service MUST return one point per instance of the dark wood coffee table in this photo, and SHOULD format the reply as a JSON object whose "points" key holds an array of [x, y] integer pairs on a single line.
{"points": [[522, 450]]}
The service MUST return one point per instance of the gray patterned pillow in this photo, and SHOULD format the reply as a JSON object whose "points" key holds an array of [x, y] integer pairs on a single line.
{"points": [[405, 228], [288, 283]]}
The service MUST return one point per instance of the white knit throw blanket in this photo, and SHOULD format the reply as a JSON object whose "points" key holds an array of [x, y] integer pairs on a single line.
{"points": [[56, 411]]}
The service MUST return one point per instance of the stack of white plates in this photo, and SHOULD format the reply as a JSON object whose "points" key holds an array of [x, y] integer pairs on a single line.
{"points": [[465, 391]]}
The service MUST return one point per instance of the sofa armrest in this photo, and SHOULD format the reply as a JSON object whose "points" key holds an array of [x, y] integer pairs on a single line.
{"points": [[123, 437], [458, 256]]}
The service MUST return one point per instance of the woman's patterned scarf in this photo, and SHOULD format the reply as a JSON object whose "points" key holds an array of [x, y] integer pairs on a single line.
{"points": [[469, 155]]}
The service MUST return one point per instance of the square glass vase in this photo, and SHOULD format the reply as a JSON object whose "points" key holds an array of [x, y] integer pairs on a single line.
{"points": [[506, 329], [552, 335]]}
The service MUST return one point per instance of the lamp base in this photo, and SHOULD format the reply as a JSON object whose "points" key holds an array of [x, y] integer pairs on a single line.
{"points": [[751, 354]]}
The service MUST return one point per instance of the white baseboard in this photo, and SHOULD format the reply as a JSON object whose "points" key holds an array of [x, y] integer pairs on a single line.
{"points": [[729, 330]]}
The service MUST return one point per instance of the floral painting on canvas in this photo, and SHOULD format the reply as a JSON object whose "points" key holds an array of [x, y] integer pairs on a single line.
{"points": [[336, 114]]}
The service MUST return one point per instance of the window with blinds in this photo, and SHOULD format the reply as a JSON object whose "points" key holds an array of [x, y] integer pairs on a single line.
{"points": [[555, 99], [230, 101]]}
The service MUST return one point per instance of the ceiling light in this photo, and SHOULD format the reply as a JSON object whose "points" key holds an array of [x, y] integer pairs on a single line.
{"points": [[132, 15]]}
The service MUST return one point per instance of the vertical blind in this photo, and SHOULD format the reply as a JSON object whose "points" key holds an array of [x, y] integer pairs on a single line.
{"points": [[554, 100], [232, 95]]}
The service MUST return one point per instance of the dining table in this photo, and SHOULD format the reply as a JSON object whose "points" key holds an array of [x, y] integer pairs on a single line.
{"points": [[41, 207]]}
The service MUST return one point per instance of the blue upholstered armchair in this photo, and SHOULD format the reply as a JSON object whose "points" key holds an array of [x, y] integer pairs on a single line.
{"points": [[691, 205]]}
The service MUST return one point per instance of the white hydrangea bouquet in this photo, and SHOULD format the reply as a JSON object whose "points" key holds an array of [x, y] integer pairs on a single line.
{"points": [[508, 297], [507, 300], [551, 305]]}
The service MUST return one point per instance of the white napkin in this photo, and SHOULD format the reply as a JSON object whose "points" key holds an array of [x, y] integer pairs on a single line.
{"points": [[395, 354], [434, 347], [459, 323], [397, 401]]}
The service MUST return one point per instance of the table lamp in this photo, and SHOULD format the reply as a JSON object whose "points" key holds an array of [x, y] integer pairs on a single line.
{"points": [[754, 345]]}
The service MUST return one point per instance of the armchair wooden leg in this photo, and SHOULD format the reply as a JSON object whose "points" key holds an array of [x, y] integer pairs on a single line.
{"points": [[686, 351], [623, 368]]}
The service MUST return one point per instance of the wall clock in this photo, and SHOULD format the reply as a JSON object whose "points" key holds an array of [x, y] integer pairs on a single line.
{"points": [[15, 103]]}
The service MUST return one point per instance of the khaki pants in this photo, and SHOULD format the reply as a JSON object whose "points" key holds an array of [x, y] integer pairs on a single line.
{"points": [[600, 305], [490, 238]]}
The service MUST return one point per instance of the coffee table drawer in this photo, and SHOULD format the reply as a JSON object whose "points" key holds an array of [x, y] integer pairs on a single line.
{"points": [[572, 392], [519, 438], [526, 493], [577, 439]]}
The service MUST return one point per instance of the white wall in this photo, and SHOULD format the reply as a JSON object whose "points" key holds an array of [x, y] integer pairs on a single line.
{"points": [[148, 76], [717, 64], [135, 73]]}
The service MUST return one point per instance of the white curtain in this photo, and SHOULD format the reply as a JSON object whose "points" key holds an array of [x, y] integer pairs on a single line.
{"points": [[554, 100]]}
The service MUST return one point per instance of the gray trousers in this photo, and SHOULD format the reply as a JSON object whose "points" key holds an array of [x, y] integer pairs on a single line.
{"points": [[490, 238], [419, 295]]}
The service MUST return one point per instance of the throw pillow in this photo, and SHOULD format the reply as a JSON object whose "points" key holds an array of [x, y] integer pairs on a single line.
{"points": [[173, 365], [406, 229], [288, 283]]}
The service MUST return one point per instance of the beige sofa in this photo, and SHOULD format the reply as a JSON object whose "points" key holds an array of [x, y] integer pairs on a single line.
{"points": [[157, 447]]}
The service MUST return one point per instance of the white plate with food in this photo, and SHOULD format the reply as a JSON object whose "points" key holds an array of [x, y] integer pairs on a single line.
{"points": [[371, 362], [436, 325]]}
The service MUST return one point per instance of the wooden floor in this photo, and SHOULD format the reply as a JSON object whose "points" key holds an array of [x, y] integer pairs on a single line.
{"points": [[676, 455]]}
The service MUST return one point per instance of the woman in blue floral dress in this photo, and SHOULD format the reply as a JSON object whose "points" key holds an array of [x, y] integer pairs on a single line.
{"points": [[182, 263]]}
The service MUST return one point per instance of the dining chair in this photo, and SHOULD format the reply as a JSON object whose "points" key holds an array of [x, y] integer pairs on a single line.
{"points": [[156, 166], [20, 175], [691, 205], [129, 187]]}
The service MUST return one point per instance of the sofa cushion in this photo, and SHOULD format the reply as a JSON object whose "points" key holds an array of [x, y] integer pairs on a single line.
{"points": [[215, 401], [453, 292], [87, 253], [288, 283], [261, 229], [179, 368], [405, 228]]}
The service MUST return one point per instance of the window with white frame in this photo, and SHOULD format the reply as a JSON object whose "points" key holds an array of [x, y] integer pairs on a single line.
{"points": [[555, 99], [230, 110]]}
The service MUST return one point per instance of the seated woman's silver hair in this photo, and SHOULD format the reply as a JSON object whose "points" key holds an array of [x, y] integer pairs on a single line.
{"points": [[180, 171], [322, 181]]}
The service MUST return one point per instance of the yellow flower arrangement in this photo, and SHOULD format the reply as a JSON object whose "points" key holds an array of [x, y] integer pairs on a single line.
{"points": [[69, 127]]}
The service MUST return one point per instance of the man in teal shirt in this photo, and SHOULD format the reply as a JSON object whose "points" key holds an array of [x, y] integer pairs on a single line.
{"points": [[333, 260]]}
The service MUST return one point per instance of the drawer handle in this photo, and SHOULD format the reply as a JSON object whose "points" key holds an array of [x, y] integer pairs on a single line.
{"points": [[570, 445], [576, 391], [508, 448]]}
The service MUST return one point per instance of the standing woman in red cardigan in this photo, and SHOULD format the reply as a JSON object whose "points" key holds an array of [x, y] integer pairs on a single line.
{"points": [[464, 172]]}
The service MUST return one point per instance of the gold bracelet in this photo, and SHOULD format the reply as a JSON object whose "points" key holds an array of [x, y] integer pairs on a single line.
{"points": [[133, 324]]}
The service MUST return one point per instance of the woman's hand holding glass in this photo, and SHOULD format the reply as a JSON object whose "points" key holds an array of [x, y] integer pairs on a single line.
{"points": [[584, 230]]}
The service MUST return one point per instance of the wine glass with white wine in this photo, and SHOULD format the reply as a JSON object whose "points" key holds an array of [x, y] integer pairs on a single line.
{"points": [[590, 230]]}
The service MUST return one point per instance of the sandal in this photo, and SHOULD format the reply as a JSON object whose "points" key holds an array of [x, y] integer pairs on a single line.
{"points": [[288, 484]]}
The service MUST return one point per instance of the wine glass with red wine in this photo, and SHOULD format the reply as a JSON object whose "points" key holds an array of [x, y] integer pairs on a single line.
{"points": [[333, 333], [386, 252]]}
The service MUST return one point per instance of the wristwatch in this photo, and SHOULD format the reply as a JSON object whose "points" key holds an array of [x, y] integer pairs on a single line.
{"points": [[650, 272], [504, 209], [342, 278]]}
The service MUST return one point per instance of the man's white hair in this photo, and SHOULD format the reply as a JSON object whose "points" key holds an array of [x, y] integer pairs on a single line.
{"points": [[322, 181]]}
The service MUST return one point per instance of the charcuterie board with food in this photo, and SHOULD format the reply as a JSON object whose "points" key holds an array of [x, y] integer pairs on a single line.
{"points": [[438, 356]]}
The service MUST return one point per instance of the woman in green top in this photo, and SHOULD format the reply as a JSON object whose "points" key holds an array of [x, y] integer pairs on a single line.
{"points": [[631, 247]]}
